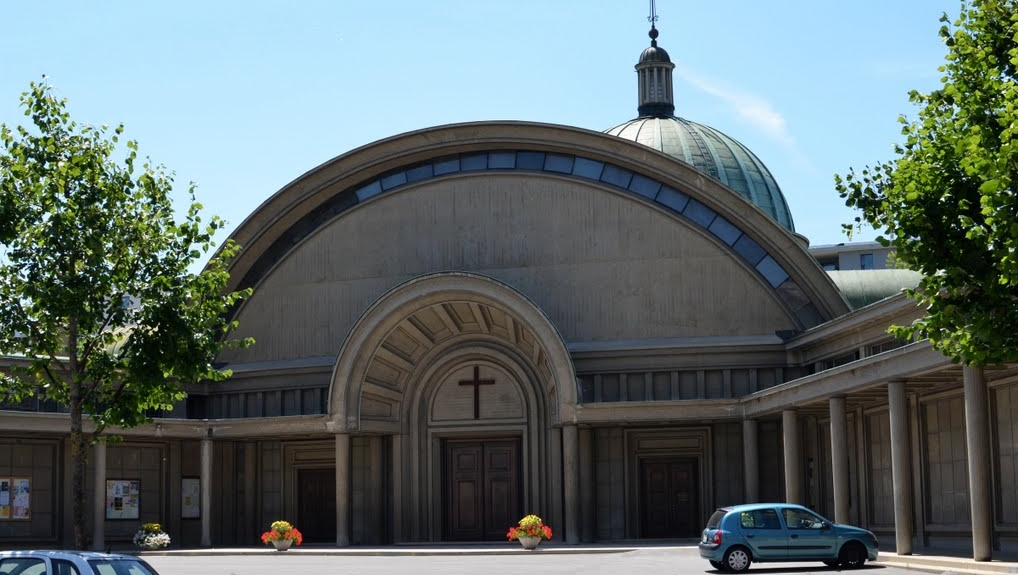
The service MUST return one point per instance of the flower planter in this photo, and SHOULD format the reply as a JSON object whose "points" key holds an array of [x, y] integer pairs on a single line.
{"points": [[282, 535], [530, 542], [282, 544], [529, 532], [151, 537]]}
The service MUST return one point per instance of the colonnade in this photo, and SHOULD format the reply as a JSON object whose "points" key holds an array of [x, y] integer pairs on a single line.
{"points": [[978, 450], [578, 477]]}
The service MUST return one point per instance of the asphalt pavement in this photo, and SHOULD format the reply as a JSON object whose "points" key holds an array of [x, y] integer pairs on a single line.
{"points": [[511, 559]]}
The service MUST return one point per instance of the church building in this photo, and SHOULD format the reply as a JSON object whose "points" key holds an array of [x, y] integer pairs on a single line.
{"points": [[617, 330]]}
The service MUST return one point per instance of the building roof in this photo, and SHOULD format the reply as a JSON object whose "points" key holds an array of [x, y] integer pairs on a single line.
{"points": [[714, 153], [706, 149], [863, 287], [654, 54]]}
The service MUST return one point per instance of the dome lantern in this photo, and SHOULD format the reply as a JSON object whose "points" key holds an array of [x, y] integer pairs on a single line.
{"points": [[655, 78]]}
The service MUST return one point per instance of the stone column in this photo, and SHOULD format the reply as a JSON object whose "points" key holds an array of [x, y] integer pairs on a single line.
{"points": [[901, 459], [793, 456], [343, 490], [588, 511], [206, 490], [376, 494], [751, 459], [839, 458], [548, 495], [99, 496], [977, 435], [570, 482], [398, 530]]}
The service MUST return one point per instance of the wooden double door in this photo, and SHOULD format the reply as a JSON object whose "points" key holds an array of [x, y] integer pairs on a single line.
{"points": [[669, 500], [483, 488], [316, 504]]}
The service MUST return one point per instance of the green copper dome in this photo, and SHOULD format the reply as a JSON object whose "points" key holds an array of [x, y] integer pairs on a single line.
{"points": [[706, 149], [717, 155]]}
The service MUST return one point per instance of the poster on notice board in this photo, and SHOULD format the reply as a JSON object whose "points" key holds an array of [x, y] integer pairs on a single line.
{"points": [[123, 498]]}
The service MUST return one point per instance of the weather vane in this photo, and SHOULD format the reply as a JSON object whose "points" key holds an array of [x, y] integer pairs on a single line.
{"points": [[652, 18]]}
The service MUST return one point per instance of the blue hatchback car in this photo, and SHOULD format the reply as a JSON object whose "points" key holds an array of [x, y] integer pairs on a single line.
{"points": [[767, 532]]}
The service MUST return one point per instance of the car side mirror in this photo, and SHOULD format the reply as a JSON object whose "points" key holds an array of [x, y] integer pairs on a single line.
{"points": [[827, 525]]}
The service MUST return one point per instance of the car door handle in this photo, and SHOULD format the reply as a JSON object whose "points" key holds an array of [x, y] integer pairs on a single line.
{"points": [[750, 536], [794, 536]]}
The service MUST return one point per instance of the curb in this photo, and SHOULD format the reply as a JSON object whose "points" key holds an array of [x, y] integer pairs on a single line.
{"points": [[387, 552], [941, 564]]}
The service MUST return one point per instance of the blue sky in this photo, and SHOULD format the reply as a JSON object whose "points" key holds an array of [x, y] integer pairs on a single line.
{"points": [[244, 97]]}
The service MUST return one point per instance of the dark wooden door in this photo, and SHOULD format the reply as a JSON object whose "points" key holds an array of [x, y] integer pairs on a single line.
{"points": [[316, 505], [482, 480], [669, 506]]}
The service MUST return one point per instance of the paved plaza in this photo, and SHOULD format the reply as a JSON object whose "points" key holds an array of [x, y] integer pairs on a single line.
{"points": [[498, 560]]}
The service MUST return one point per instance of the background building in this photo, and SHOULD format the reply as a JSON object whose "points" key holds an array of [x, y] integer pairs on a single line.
{"points": [[852, 256]]}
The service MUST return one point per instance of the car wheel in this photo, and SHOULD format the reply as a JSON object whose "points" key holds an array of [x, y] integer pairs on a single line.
{"points": [[737, 559], [717, 565], [852, 555], [831, 562]]}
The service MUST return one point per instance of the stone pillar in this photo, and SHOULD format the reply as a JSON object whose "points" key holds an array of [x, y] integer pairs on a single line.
{"points": [[901, 463], [99, 496], [375, 493], [570, 482], [839, 459], [977, 435], [751, 459], [398, 530], [206, 490], [548, 496], [793, 456], [343, 476], [251, 529], [588, 511]]}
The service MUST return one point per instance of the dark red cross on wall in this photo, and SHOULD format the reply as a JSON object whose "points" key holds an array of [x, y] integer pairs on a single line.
{"points": [[477, 382]]}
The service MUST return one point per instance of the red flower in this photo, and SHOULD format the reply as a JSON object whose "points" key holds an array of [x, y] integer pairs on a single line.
{"points": [[529, 526], [282, 530]]}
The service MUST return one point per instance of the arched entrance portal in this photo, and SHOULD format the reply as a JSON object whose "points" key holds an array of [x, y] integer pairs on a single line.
{"points": [[481, 419], [471, 384]]}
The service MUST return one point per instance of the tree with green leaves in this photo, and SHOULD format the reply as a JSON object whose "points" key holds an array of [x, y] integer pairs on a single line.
{"points": [[99, 311], [947, 202]]}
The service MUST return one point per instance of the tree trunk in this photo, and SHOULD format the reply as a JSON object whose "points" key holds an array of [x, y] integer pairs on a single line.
{"points": [[79, 459], [79, 446]]}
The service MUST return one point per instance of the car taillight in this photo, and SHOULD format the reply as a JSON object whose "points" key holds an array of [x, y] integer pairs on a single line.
{"points": [[717, 538]]}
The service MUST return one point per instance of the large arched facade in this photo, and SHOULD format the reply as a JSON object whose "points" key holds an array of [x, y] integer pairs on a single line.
{"points": [[496, 299]]}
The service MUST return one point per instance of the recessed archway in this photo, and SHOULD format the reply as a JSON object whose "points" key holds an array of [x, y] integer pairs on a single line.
{"points": [[422, 317], [400, 373]]}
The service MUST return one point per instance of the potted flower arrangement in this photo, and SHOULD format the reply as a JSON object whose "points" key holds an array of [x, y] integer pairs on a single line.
{"points": [[530, 531], [281, 535], [151, 536]]}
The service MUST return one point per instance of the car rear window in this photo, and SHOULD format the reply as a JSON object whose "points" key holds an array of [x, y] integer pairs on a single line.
{"points": [[23, 566], [715, 519], [120, 567]]}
